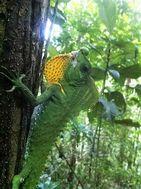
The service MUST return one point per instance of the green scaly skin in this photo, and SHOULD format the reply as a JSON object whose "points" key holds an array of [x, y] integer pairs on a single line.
{"points": [[51, 116]]}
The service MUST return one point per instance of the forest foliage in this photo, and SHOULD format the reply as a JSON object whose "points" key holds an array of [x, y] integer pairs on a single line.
{"points": [[100, 148]]}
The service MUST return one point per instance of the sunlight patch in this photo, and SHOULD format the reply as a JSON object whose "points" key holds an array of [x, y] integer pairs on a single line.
{"points": [[56, 31]]}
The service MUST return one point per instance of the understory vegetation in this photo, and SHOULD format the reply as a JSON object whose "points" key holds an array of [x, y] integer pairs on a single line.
{"points": [[101, 148]]}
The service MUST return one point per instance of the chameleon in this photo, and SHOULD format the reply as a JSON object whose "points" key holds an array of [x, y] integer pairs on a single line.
{"points": [[54, 109]]}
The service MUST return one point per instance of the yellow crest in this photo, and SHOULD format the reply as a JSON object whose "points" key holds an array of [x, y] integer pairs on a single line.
{"points": [[55, 68]]}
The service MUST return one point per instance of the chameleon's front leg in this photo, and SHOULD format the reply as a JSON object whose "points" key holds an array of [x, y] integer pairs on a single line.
{"points": [[45, 96]]}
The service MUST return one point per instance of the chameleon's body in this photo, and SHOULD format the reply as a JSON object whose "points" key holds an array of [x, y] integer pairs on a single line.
{"points": [[51, 116]]}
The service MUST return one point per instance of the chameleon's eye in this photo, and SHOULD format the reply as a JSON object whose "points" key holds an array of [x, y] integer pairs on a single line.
{"points": [[85, 69]]}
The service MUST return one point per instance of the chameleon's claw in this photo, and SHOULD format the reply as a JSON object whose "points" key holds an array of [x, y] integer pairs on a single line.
{"points": [[6, 76], [10, 73], [13, 78], [16, 82], [11, 90]]}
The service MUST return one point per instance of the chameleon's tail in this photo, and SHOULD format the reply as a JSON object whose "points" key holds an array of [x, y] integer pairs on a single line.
{"points": [[41, 144]]}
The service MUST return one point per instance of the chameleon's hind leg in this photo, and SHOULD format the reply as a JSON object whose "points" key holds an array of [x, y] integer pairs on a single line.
{"points": [[18, 179]]}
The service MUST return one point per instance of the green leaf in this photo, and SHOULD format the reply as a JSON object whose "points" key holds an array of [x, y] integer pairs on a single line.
{"points": [[138, 90], [104, 108], [60, 18], [96, 111], [132, 72], [111, 110], [135, 101], [113, 105], [115, 74], [118, 99], [128, 123], [98, 73], [52, 51], [108, 13]]}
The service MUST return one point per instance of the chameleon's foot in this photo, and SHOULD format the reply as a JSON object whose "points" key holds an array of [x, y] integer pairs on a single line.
{"points": [[17, 82], [17, 180], [6, 73], [11, 90], [15, 79]]}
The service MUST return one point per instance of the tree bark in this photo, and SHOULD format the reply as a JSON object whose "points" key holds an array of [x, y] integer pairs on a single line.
{"points": [[22, 34]]}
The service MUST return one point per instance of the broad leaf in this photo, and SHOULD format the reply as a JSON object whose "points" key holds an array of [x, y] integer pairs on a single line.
{"points": [[118, 99], [110, 108], [138, 90], [98, 74], [52, 51], [128, 123], [132, 72], [59, 17], [108, 13], [114, 73]]}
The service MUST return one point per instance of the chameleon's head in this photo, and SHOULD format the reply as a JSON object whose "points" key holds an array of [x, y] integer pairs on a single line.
{"points": [[84, 64], [80, 59], [80, 67], [68, 67], [83, 51]]}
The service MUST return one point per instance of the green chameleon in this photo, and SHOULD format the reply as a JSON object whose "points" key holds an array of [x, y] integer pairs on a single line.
{"points": [[71, 89]]}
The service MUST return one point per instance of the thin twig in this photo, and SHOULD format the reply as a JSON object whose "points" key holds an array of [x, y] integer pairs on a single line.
{"points": [[100, 119], [67, 162], [107, 66], [92, 151]]}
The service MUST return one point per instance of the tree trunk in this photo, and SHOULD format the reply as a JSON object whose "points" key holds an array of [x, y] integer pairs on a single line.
{"points": [[21, 29]]}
